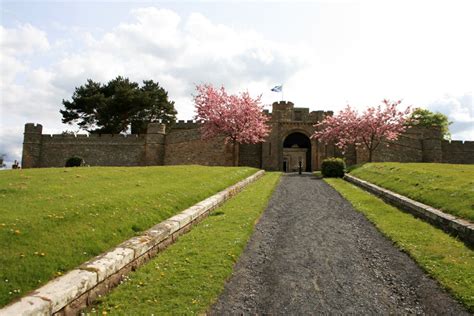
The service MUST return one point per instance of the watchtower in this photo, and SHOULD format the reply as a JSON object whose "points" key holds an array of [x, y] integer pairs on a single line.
{"points": [[31, 145]]}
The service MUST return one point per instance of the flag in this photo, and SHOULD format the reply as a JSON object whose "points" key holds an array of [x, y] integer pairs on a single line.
{"points": [[277, 88]]}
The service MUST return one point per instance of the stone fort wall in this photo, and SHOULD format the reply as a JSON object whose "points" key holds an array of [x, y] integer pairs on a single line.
{"points": [[182, 144], [421, 145], [458, 152], [97, 150]]}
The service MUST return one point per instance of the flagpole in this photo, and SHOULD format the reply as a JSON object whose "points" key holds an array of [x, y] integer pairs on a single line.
{"points": [[278, 89]]}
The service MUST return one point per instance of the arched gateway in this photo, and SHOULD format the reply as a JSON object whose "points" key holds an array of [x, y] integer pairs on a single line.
{"points": [[287, 144], [289, 141], [180, 143], [296, 151]]}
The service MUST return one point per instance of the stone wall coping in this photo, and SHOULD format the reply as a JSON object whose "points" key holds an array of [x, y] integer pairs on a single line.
{"points": [[57, 294], [449, 223]]}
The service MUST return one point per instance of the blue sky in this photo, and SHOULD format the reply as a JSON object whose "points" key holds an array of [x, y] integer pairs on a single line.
{"points": [[326, 54]]}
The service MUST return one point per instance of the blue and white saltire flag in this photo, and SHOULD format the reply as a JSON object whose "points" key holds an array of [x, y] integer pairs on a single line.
{"points": [[277, 88]]}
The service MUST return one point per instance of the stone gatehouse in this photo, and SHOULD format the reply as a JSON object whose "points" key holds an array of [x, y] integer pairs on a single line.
{"points": [[288, 144]]}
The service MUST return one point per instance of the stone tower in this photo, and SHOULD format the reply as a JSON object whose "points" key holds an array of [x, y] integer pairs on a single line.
{"points": [[155, 144], [31, 145]]}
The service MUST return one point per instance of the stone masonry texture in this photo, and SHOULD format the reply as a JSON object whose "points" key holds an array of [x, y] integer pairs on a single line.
{"points": [[181, 143]]}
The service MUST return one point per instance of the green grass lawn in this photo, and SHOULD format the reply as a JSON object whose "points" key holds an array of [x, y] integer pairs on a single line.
{"points": [[52, 220], [445, 258], [447, 187], [188, 276]]}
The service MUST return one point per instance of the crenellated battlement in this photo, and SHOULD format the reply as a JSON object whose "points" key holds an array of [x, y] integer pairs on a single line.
{"points": [[458, 144], [285, 111], [319, 115], [181, 143], [282, 106], [182, 124], [92, 136], [32, 128], [457, 151], [156, 128]]}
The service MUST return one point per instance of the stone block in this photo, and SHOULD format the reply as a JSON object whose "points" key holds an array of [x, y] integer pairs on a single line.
{"points": [[75, 306], [207, 204], [172, 226], [109, 263], [158, 233], [193, 212], [27, 306], [139, 244], [165, 243], [77, 289], [138, 262], [449, 223], [182, 219], [65, 289], [202, 210]]}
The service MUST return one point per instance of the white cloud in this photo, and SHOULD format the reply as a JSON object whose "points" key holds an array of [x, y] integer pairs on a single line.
{"points": [[26, 39], [32, 97], [393, 52], [10, 67], [460, 111], [179, 53], [158, 44], [15, 43]]}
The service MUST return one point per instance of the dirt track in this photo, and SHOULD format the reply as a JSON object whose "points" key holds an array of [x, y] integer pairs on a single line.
{"points": [[313, 253]]}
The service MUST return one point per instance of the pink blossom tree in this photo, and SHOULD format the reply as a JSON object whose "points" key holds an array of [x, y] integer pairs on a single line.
{"points": [[239, 118], [368, 129]]}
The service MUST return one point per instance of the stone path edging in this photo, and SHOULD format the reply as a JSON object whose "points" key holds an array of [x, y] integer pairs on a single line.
{"points": [[78, 288], [312, 253], [449, 223]]}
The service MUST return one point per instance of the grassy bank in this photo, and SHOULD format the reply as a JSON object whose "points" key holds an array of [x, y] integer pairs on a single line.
{"points": [[52, 220], [188, 276], [445, 258], [447, 187]]}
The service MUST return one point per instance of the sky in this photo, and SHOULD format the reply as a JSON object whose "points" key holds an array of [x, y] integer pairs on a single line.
{"points": [[327, 54]]}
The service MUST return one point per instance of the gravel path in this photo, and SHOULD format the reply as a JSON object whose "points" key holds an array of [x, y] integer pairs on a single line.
{"points": [[312, 253]]}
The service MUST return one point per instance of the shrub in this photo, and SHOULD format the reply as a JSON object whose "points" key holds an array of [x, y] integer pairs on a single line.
{"points": [[333, 168], [74, 162]]}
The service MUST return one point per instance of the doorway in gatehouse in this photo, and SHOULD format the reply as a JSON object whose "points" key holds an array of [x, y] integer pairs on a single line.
{"points": [[296, 150]]}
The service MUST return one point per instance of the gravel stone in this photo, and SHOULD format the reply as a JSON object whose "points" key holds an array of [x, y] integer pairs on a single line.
{"points": [[311, 252]]}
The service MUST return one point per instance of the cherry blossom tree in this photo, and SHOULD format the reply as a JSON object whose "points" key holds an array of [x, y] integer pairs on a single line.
{"points": [[368, 129], [239, 118]]}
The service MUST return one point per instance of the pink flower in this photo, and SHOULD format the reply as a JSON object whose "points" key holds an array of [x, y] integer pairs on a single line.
{"points": [[239, 118], [368, 129]]}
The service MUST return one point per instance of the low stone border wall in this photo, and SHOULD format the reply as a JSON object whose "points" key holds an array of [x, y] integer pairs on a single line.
{"points": [[449, 223], [79, 288]]}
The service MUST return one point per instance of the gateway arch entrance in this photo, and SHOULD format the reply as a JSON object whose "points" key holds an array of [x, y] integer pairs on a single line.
{"points": [[296, 149]]}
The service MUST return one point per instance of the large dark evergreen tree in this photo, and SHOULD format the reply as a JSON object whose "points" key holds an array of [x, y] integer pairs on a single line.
{"points": [[113, 107]]}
